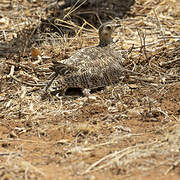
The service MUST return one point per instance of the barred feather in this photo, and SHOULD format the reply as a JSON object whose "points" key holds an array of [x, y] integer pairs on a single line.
{"points": [[91, 67]]}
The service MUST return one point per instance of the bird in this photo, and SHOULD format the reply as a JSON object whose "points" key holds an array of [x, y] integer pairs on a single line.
{"points": [[90, 67]]}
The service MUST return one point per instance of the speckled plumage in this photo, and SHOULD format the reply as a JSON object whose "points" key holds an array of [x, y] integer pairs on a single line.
{"points": [[91, 67]]}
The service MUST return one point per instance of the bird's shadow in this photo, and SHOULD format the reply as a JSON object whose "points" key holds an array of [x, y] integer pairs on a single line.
{"points": [[72, 93], [79, 91]]}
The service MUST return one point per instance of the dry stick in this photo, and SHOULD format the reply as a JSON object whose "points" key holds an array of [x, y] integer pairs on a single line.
{"points": [[154, 67], [80, 30], [144, 45], [43, 66], [130, 49], [26, 83], [129, 52], [159, 24], [98, 162], [11, 71], [113, 155], [75, 8], [129, 150], [159, 68], [170, 62], [89, 24], [24, 90], [7, 153], [149, 79], [131, 72], [142, 38], [18, 65], [175, 164], [169, 37], [4, 35], [99, 19], [23, 140], [116, 139], [70, 25], [25, 173], [126, 151], [139, 34], [29, 165], [62, 35], [149, 44]]}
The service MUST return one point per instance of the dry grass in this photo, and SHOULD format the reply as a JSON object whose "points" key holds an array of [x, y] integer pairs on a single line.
{"points": [[128, 130]]}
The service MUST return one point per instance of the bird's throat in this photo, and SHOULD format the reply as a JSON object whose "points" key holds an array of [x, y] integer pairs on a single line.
{"points": [[105, 42]]}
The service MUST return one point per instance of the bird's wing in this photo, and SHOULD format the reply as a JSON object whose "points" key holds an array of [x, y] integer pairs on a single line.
{"points": [[90, 68], [99, 68], [92, 58]]}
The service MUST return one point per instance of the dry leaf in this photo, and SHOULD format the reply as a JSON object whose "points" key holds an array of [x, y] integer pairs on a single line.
{"points": [[35, 52]]}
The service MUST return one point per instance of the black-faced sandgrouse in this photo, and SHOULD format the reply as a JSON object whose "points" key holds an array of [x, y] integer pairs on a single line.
{"points": [[90, 67]]}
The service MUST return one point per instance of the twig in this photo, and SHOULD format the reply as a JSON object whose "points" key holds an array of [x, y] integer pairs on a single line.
{"points": [[149, 79], [144, 44], [142, 38], [60, 31], [149, 44], [7, 153], [11, 71], [139, 34], [175, 164], [75, 8], [71, 25], [29, 84], [131, 72], [23, 140], [115, 140], [162, 64], [114, 155], [130, 49], [18, 65], [169, 37], [101, 160], [4, 35], [159, 24]]}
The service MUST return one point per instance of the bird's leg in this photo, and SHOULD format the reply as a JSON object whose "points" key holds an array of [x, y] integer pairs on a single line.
{"points": [[86, 92]]}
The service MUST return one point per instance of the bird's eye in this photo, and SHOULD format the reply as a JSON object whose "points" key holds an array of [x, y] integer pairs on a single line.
{"points": [[108, 27]]}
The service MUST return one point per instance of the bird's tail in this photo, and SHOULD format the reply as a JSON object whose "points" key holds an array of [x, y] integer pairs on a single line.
{"points": [[62, 69], [59, 69]]}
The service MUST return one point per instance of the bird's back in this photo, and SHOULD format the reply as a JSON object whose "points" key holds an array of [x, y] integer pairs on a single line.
{"points": [[94, 67]]}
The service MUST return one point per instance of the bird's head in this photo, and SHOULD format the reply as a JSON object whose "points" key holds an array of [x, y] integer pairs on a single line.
{"points": [[105, 33]]}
